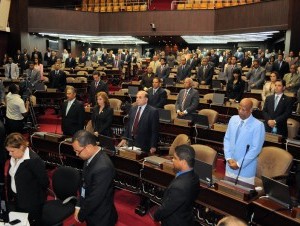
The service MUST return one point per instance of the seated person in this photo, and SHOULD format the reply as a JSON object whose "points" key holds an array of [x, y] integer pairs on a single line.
{"points": [[235, 86], [102, 116]]}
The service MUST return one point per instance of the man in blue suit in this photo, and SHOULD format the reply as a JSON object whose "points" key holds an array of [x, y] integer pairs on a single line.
{"points": [[243, 130]]}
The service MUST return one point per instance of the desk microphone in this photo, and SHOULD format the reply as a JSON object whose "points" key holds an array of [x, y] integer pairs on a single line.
{"points": [[237, 178]]}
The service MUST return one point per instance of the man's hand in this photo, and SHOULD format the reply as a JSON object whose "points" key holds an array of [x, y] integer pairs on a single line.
{"points": [[180, 113], [271, 123], [76, 215], [232, 164], [122, 143]]}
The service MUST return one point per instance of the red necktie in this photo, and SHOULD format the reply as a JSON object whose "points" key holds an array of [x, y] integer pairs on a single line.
{"points": [[136, 122]]}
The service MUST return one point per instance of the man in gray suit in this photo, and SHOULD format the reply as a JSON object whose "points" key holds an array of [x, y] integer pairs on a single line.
{"points": [[233, 65], [187, 100], [256, 76], [11, 69], [30, 82]]}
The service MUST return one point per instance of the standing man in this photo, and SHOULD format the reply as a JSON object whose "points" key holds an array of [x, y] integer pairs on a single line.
{"points": [[243, 140], [277, 109], [147, 78], [157, 95], [205, 72], [163, 71], [229, 69], [187, 100], [177, 203], [256, 76], [280, 66], [57, 78], [11, 69], [183, 71], [154, 64], [292, 80], [96, 203], [96, 86], [70, 62], [72, 113], [142, 127]]}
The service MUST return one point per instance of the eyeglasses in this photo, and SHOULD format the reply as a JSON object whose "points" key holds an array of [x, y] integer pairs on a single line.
{"points": [[79, 152]]}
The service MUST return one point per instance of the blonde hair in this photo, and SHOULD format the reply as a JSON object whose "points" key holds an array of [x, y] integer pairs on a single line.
{"points": [[104, 96], [15, 140]]}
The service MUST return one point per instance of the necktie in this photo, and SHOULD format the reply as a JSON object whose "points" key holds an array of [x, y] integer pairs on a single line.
{"points": [[96, 84], [183, 100], [154, 91], [9, 71], [116, 64], [136, 122], [182, 67], [276, 102], [68, 107], [238, 131], [204, 69]]}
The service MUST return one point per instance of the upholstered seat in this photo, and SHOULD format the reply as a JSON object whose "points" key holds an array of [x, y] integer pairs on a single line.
{"points": [[89, 126], [179, 140], [115, 104], [172, 108], [212, 115], [293, 128], [205, 154]]}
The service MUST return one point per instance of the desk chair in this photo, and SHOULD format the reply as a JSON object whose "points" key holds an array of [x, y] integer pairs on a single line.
{"points": [[293, 128], [273, 162], [172, 108], [205, 154], [179, 140], [212, 115], [65, 183], [89, 127], [115, 104]]}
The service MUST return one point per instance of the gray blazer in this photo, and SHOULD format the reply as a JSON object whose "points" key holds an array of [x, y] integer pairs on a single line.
{"points": [[191, 102], [34, 76], [256, 77]]}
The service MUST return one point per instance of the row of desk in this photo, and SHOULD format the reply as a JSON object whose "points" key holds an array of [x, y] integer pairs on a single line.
{"points": [[150, 181]]}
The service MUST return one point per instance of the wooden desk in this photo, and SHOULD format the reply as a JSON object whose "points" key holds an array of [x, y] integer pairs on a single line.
{"points": [[269, 213]]}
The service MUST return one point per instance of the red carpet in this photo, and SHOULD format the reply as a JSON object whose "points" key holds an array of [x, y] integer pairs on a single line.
{"points": [[161, 5]]}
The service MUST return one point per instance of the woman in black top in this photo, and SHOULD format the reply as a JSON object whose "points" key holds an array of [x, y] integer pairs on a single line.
{"points": [[235, 86], [102, 116]]}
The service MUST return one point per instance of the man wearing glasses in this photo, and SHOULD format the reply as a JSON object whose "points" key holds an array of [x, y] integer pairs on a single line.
{"points": [[96, 203]]}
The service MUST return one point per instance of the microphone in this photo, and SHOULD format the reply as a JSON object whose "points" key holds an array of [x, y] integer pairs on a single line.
{"points": [[237, 178]]}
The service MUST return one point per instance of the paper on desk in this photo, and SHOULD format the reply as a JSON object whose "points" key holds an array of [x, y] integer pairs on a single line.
{"points": [[23, 217]]}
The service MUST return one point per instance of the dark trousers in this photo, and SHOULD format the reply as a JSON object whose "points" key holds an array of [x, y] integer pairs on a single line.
{"points": [[13, 126]]}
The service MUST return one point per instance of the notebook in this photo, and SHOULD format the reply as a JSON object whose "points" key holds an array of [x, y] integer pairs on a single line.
{"points": [[200, 121], [107, 143], [204, 171], [218, 99], [277, 192], [132, 90], [164, 115]]}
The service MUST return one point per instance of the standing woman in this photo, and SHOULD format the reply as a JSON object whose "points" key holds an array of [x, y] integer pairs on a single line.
{"points": [[39, 67], [235, 86], [27, 179], [102, 116], [269, 87]]}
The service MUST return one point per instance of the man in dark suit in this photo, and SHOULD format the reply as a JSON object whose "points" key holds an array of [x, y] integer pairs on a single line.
{"points": [[163, 70], [205, 72], [277, 109], [143, 124], [24, 65], [262, 60], [183, 71], [187, 100], [47, 55], [57, 78], [147, 78], [193, 61], [281, 66], [70, 62], [157, 96], [96, 86], [36, 54], [118, 63], [178, 199], [72, 113], [96, 203]]}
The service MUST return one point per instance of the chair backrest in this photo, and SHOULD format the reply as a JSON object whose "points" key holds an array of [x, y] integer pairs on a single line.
{"points": [[65, 182], [212, 115], [255, 102], [115, 103], [205, 154], [179, 140], [70, 79], [208, 96], [81, 80], [82, 73], [293, 128], [273, 161], [89, 127], [168, 92], [172, 108]]}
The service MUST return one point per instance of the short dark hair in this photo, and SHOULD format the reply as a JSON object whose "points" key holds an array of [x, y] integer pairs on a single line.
{"points": [[96, 73], [283, 82], [30, 62], [187, 153], [84, 138], [13, 88]]}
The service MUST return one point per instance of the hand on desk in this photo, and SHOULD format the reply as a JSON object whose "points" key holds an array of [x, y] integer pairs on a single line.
{"points": [[122, 143], [76, 215], [152, 150], [180, 113], [233, 164], [271, 123]]}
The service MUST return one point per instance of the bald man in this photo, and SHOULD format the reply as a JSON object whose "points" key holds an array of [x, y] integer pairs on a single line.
{"points": [[142, 128], [243, 130], [231, 221]]}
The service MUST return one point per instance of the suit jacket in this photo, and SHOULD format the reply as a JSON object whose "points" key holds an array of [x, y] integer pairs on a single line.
{"points": [[235, 91], [159, 99], [147, 81], [280, 115], [24, 66], [102, 86], [147, 132], [58, 81], [52, 60], [31, 184], [154, 65], [102, 121], [246, 62], [292, 81], [97, 205], [163, 72], [256, 77], [39, 54], [46, 57], [183, 73], [190, 104], [34, 76], [282, 70], [82, 59], [263, 61], [207, 76], [118, 65], [14, 71], [74, 120], [228, 71], [70, 62], [177, 203], [193, 63], [251, 133]]}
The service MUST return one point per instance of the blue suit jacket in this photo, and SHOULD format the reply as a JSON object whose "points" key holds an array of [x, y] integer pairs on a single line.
{"points": [[252, 133]]}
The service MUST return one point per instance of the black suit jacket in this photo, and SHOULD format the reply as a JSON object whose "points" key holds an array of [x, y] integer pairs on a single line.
{"points": [[235, 91], [74, 120], [70, 63], [280, 115], [207, 76], [102, 121], [31, 183], [285, 68], [177, 203], [147, 132], [102, 86], [57, 81], [246, 62], [159, 99], [182, 74], [163, 72], [147, 81], [97, 207], [263, 61], [39, 54]]}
